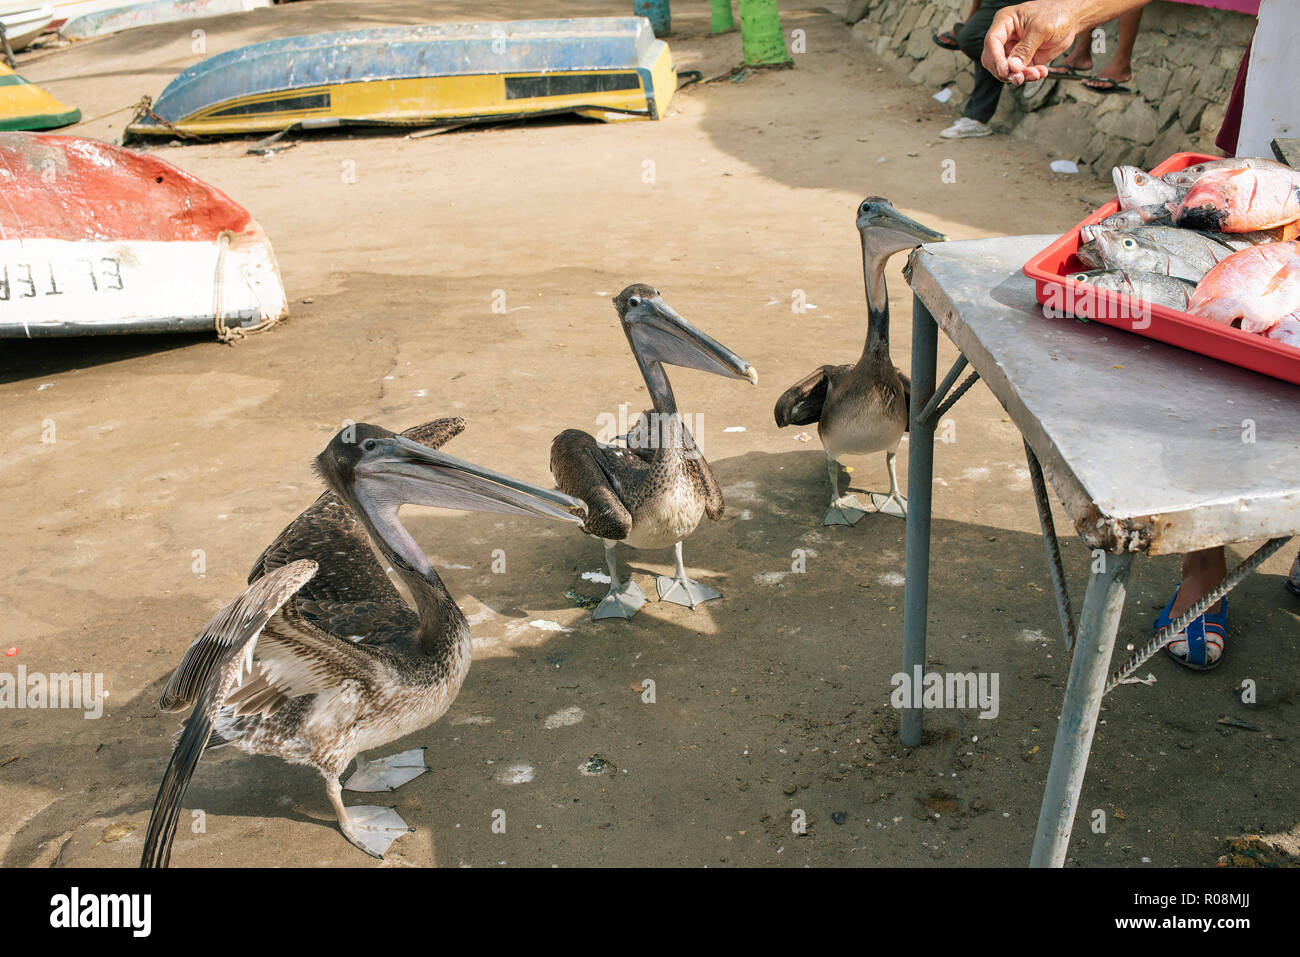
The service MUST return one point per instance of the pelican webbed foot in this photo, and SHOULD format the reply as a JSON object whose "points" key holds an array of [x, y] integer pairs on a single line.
{"points": [[846, 510], [374, 829], [623, 599], [370, 828], [685, 591], [386, 774], [682, 590], [894, 503], [891, 504]]}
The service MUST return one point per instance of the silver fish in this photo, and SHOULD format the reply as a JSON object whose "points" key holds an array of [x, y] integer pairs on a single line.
{"points": [[1088, 255], [1188, 176], [1150, 287], [1154, 214], [1135, 187], [1122, 249]]}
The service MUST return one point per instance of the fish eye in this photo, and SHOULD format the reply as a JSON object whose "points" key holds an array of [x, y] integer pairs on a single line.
{"points": [[1140, 180], [369, 445], [1130, 243]]}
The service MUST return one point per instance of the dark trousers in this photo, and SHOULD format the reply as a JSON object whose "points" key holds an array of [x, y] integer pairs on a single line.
{"points": [[983, 102]]}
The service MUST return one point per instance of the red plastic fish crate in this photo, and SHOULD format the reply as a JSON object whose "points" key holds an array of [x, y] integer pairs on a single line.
{"points": [[1049, 268]]}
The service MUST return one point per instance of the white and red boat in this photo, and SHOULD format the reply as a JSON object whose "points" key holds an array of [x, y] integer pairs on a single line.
{"points": [[96, 239], [24, 21]]}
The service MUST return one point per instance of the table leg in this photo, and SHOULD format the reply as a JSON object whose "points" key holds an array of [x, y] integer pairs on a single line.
{"points": [[920, 477], [1102, 606]]}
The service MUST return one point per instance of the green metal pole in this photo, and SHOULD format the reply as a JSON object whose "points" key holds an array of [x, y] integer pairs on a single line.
{"points": [[722, 19], [760, 33]]}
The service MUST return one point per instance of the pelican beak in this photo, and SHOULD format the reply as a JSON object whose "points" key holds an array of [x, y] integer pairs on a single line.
{"points": [[419, 475], [894, 229], [659, 334]]}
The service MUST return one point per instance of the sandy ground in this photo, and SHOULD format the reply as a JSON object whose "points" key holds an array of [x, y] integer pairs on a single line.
{"points": [[775, 698]]}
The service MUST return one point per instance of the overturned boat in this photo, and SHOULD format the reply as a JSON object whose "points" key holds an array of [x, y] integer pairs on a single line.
{"points": [[95, 239], [23, 21], [130, 16], [607, 68], [26, 106]]}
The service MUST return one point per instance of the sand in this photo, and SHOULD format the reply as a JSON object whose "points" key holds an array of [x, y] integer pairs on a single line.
{"points": [[771, 701]]}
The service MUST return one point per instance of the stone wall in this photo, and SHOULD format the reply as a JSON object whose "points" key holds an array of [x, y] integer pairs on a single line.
{"points": [[1184, 63]]}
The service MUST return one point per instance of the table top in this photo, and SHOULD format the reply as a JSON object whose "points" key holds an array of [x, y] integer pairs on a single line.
{"points": [[1149, 447]]}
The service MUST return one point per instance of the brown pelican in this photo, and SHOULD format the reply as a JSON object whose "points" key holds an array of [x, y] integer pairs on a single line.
{"points": [[862, 407], [653, 493], [320, 658]]}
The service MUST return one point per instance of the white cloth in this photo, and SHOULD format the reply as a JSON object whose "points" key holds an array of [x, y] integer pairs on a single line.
{"points": [[1271, 107]]}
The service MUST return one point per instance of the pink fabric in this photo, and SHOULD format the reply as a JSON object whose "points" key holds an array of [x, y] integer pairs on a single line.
{"points": [[1231, 128], [1239, 6]]}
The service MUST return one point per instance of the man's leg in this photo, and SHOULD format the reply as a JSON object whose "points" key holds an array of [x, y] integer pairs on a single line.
{"points": [[1120, 68], [983, 101]]}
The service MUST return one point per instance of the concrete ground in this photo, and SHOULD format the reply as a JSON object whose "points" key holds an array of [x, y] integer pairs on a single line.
{"points": [[771, 701]]}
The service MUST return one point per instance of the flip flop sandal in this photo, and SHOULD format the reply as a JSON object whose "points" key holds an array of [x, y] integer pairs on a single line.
{"points": [[948, 39], [1065, 73], [1191, 648], [1111, 86]]}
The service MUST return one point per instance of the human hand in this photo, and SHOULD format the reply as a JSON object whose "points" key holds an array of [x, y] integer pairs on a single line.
{"points": [[1025, 38]]}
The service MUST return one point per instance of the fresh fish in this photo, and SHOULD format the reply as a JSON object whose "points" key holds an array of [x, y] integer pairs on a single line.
{"points": [[1184, 253], [1138, 188], [1180, 239], [1188, 176], [1260, 286], [1089, 256], [1147, 286], [1288, 331], [1155, 214], [1241, 200]]}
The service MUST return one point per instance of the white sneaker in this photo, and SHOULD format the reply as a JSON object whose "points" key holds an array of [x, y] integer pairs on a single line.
{"points": [[965, 127]]}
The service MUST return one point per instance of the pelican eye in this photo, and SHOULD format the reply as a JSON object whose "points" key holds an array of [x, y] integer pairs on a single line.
{"points": [[369, 445], [634, 301]]}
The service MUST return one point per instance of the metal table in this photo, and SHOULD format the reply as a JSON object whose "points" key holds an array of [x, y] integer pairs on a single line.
{"points": [[1123, 427]]}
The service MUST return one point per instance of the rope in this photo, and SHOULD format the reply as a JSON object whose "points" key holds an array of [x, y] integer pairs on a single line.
{"points": [[1174, 628], [103, 116], [145, 108], [229, 334]]}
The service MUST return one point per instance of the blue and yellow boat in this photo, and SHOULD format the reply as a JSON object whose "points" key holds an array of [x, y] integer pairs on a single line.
{"points": [[608, 68]]}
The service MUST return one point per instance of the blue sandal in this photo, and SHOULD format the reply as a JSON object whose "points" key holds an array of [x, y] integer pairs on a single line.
{"points": [[1191, 648]]}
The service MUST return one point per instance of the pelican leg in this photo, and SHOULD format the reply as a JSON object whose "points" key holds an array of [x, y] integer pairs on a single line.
{"points": [[894, 503], [844, 510], [682, 590], [372, 829], [386, 774], [621, 601]]}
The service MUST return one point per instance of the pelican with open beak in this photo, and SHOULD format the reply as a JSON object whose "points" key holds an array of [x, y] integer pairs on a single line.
{"points": [[321, 658]]}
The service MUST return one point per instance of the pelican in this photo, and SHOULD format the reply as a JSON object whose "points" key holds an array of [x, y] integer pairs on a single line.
{"points": [[863, 407], [320, 658], [653, 493]]}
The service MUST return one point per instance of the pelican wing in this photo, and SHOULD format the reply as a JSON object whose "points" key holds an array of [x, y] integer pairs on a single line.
{"points": [[295, 657], [801, 404], [602, 476], [212, 665]]}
